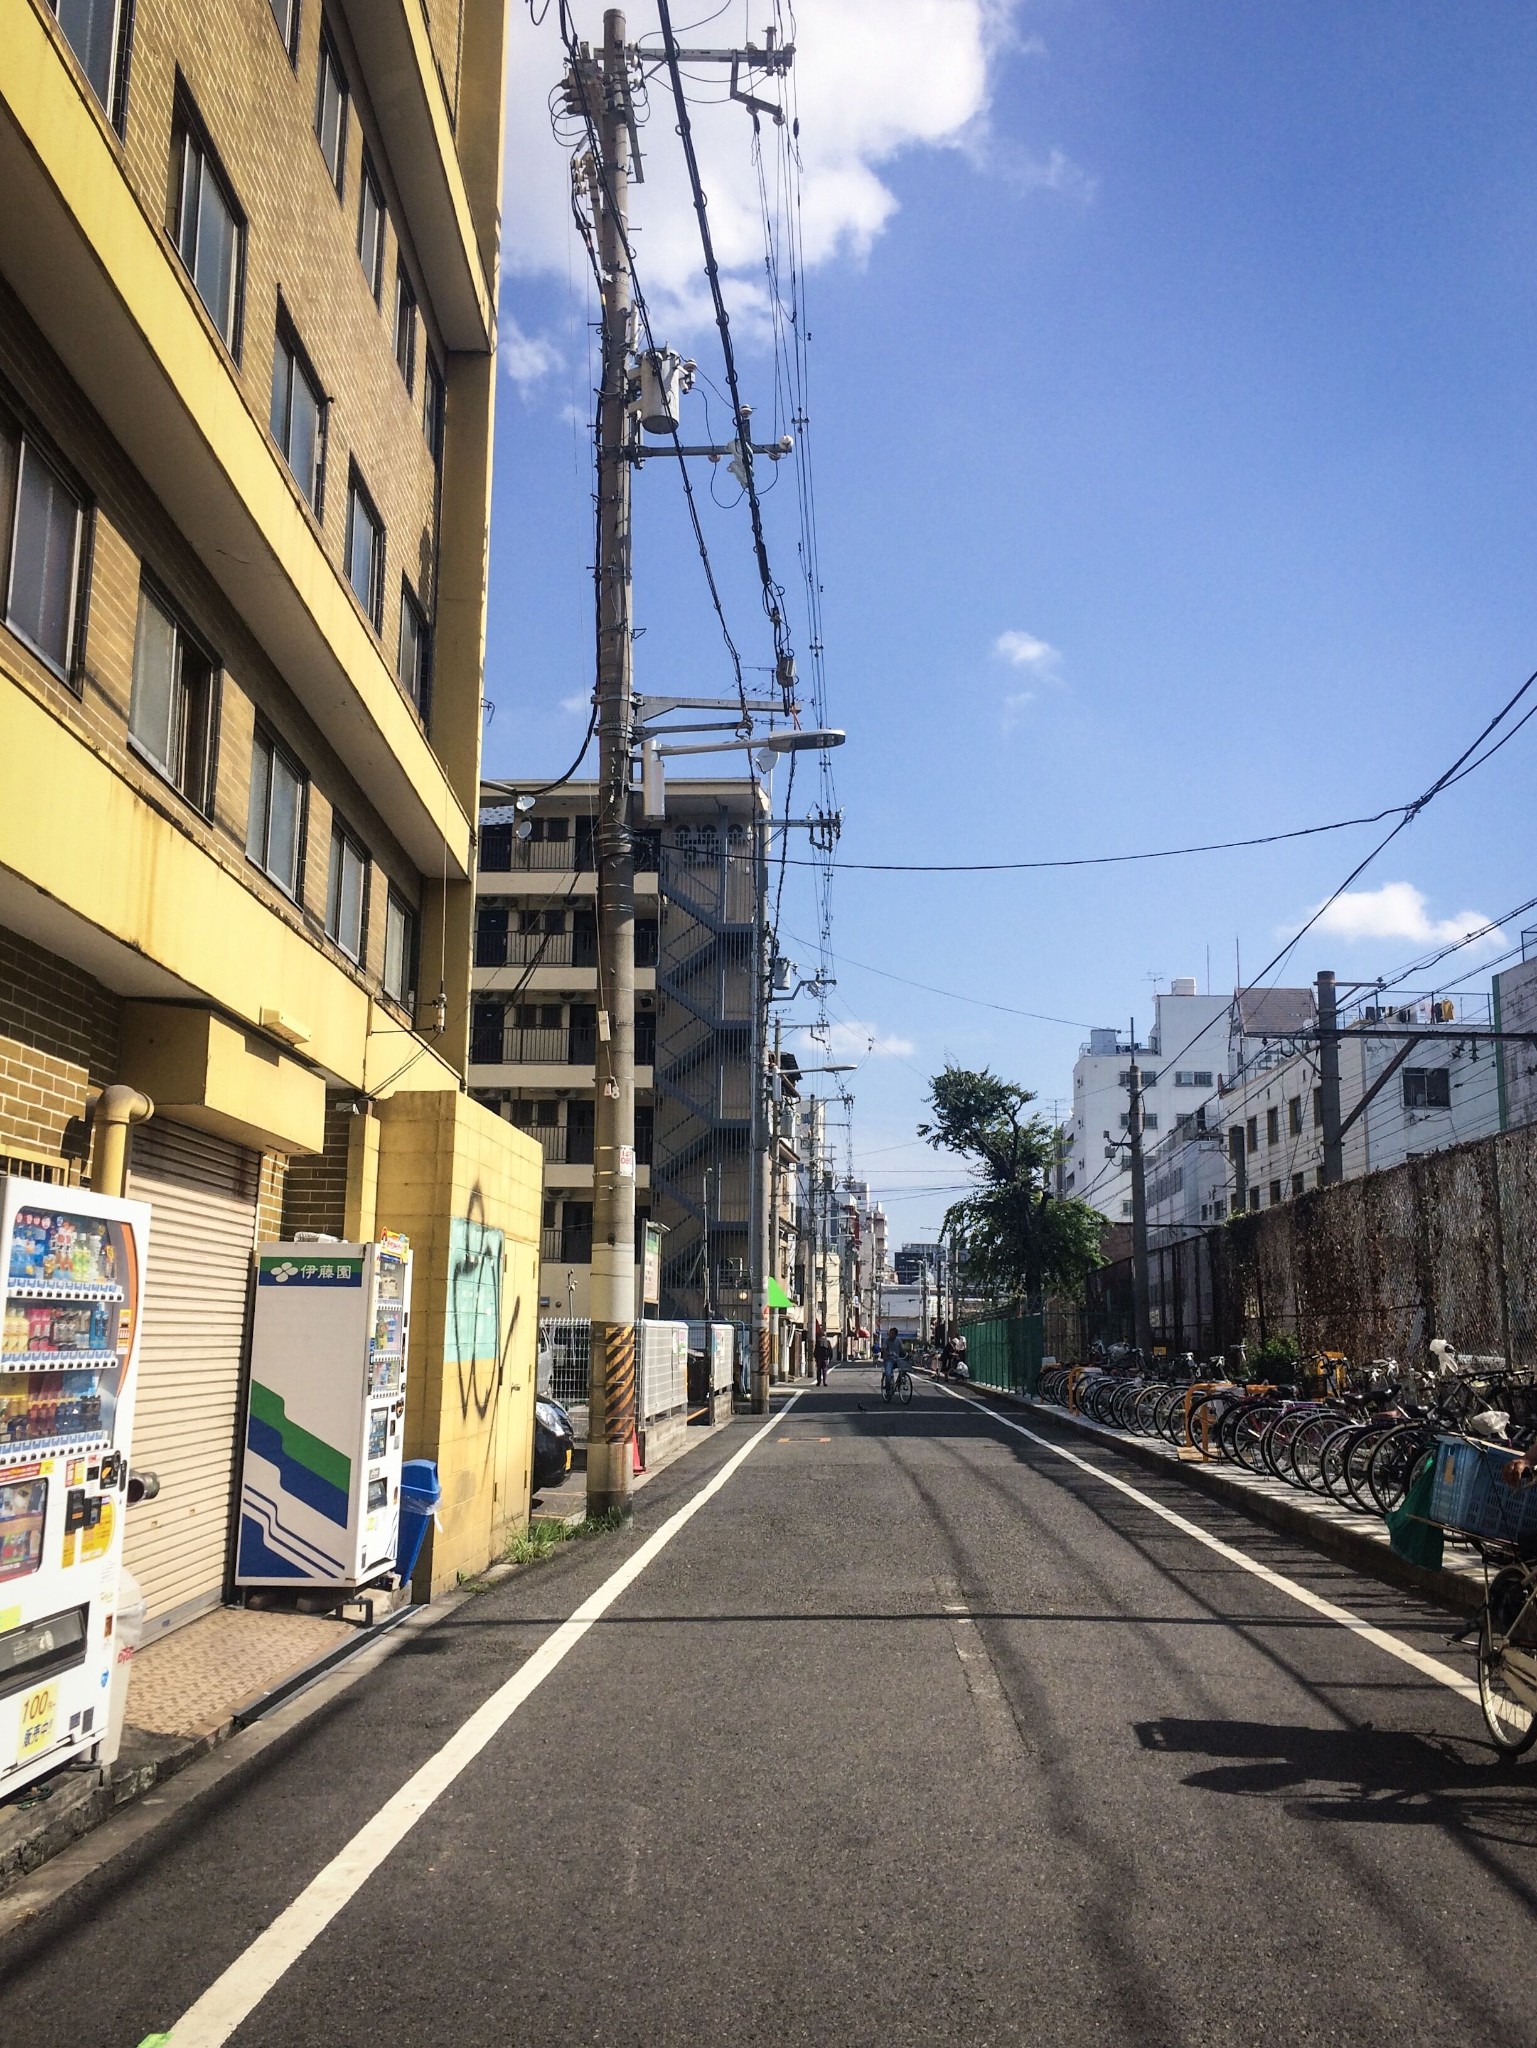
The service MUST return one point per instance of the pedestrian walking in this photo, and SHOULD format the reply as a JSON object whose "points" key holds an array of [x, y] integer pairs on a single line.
{"points": [[823, 1353]]}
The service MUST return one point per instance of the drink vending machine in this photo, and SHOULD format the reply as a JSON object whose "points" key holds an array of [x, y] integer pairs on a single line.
{"points": [[320, 1498], [72, 1268]]}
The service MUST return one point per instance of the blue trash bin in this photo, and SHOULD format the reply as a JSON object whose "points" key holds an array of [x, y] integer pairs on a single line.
{"points": [[420, 1493]]}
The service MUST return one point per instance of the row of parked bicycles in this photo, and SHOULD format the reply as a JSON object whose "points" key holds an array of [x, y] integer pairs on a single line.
{"points": [[1433, 1451], [1357, 1438]]}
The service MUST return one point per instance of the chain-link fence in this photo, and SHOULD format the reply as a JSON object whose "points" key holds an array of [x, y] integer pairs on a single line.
{"points": [[1373, 1268]]}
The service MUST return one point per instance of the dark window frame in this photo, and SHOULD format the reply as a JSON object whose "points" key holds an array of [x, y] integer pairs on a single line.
{"points": [[201, 798], [189, 127], [411, 606], [1427, 1088], [343, 836], [286, 342], [359, 496], [264, 736], [329, 62], [71, 672], [290, 41], [371, 186], [406, 306], [434, 406], [115, 104], [404, 999]]}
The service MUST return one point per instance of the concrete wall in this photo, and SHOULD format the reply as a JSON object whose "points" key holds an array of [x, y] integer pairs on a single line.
{"points": [[464, 1186]]}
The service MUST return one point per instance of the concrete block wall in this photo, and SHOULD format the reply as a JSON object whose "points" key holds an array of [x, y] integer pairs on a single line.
{"points": [[464, 1186]]}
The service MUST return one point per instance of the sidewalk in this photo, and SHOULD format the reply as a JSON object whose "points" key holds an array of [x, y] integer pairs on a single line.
{"points": [[189, 1691], [1360, 1541]]}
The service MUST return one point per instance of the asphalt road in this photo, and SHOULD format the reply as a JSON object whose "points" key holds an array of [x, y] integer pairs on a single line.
{"points": [[914, 1733]]}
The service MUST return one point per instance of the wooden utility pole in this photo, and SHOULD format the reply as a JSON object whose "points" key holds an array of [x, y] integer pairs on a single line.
{"points": [[604, 87]]}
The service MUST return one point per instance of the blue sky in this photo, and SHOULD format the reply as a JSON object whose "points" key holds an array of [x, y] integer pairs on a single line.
{"points": [[1174, 425]]}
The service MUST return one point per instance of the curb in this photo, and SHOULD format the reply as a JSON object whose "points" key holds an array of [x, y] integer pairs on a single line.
{"points": [[1350, 1539]]}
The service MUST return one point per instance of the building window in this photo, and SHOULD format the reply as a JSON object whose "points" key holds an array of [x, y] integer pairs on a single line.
{"points": [[1195, 1077], [172, 711], [299, 415], [1297, 1183], [208, 228], [405, 327], [433, 407], [365, 550], [400, 951], [331, 97], [42, 529], [1185, 1121], [1254, 1198], [1251, 1133], [413, 662], [371, 228], [286, 14], [1294, 1116], [346, 886], [1427, 1088], [275, 825], [1272, 1126], [97, 32], [1275, 1194]]}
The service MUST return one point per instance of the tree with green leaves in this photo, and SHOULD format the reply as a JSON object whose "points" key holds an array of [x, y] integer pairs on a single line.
{"points": [[1022, 1241]]}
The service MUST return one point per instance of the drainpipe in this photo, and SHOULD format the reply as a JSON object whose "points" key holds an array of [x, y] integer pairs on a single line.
{"points": [[113, 1111]]}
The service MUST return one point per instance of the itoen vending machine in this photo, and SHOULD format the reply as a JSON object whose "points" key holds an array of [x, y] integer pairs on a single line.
{"points": [[320, 1503], [72, 1266]]}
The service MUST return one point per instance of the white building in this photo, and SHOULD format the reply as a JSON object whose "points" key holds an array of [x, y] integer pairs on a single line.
{"points": [[1183, 1061], [1515, 1009]]}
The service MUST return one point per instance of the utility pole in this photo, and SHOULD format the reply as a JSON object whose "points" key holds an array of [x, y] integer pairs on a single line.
{"points": [[1329, 1078], [603, 88], [1141, 1307], [771, 1262]]}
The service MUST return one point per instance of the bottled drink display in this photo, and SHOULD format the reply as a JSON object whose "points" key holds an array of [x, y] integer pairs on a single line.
{"points": [[59, 1346]]}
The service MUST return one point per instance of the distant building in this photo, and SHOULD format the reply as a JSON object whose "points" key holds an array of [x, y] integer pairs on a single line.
{"points": [[1515, 1009], [534, 1026]]}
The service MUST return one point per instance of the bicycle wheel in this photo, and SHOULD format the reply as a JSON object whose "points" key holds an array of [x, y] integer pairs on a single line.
{"points": [[1307, 1450], [1393, 1462], [1249, 1436], [1505, 1629], [904, 1386]]}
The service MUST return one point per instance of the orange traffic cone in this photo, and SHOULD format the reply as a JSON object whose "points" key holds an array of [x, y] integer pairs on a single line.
{"points": [[636, 1467]]}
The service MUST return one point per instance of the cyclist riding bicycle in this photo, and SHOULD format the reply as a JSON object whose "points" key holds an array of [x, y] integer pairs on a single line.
{"points": [[891, 1358]]}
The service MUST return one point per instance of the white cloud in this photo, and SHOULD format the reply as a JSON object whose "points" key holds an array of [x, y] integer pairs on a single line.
{"points": [[1015, 705], [1399, 912], [1024, 650], [852, 1041], [581, 702], [869, 85], [527, 358]]}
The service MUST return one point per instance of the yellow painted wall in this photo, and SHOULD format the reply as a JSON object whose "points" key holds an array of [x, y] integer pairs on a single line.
{"points": [[465, 1187]]}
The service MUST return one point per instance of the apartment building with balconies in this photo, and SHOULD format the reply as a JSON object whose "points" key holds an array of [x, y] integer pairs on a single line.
{"points": [[698, 895], [248, 276]]}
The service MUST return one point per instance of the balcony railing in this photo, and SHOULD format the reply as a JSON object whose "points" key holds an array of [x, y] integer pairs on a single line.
{"points": [[518, 1045], [569, 1245]]}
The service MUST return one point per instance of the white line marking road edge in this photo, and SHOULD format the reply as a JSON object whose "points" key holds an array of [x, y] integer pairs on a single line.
{"points": [[1428, 1667], [235, 1994]]}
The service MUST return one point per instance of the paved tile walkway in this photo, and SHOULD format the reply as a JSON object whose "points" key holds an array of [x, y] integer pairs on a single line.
{"points": [[191, 1682]]}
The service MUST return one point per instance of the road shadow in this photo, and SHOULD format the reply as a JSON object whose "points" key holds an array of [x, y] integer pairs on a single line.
{"points": [[1363, 1776]]}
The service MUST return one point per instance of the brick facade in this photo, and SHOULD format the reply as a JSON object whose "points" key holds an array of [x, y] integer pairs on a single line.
{"points": [[60, 1033], [315, 1197]]}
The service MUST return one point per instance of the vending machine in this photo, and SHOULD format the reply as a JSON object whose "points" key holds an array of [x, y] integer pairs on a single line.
{"points": [[320, 1498], [72, 1266]]}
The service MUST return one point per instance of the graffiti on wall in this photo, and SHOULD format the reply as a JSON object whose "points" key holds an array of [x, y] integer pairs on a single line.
{"points": [[473, 1339]]}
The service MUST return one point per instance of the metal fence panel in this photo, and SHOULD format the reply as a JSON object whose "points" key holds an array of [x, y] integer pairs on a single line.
{"points": [[1005, 1352]]}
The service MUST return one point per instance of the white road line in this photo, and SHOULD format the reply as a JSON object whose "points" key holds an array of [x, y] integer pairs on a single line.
{"points": [[1428, 1667], [236, 1994]]}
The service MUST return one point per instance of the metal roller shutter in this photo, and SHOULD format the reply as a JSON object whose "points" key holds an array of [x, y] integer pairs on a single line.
{"points": [[203, 1191]]}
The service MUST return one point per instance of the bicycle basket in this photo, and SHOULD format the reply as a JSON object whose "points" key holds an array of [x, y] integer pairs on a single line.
{"points": [[1469, 1493]]}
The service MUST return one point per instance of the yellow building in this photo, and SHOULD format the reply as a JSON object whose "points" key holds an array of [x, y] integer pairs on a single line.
{"points": [[248, 275]]}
